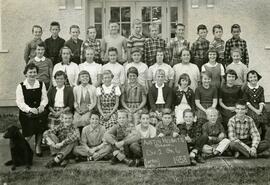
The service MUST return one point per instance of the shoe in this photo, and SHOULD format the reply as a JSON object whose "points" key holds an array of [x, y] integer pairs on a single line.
{"points": [[193, 162], [236, 155], [81, 159], [129, 162], [138, 162], [39, 154], [38, 151], [51, 164], [264, 154], [114, 160], [200, 159], [64, 163]]}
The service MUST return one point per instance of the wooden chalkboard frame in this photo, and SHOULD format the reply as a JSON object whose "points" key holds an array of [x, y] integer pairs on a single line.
{"points": [[165, 152]]}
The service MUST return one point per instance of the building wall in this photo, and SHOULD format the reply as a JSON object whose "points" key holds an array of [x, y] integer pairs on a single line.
{"points": [[19, 16]]}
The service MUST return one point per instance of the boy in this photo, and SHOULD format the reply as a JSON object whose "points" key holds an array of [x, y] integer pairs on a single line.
{"points": [[123, 139], [238, 42], [61, 140], [240, 68], [136, 39], [152, 44], [192, 132], [44, 64], [244, 136], [92, 42], [177, 43], [133, 97], [74, 43], [30, 49], [92, 146], [218, 43], [200, 46], [166, 127], [54, 43], [213, 129]]}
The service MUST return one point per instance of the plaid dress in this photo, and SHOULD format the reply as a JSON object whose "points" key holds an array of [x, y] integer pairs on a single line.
{"points": [[107, 102]]}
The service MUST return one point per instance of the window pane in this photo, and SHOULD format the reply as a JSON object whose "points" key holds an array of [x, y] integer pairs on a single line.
{"points": [[125, 29], [115, 14], [146, 14], [174, 14], [156, 14], [125, 14], [173, 27], [145, 29], [98, 15], [99, 31]]}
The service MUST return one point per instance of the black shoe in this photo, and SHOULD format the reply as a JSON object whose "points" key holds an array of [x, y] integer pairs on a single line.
{"points": [[39, 154], [8, 163], [200, 159], [80, 159], [64, 163], [51, 164], [193, 162], [114, 160]]}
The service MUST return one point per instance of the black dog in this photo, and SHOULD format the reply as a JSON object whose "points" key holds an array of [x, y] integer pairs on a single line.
{"points": [[21, 153]]}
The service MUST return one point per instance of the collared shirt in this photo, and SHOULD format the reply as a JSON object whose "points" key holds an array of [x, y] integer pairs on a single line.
{"points": [[53, 47], [75, 48], [219, 45], [151, 45], [118, 72], [108, 90], [30, 49], [136, 41], [199, 48], [68, 134], [20, 97], [92, 43], [241, 71], [151, 131], [176, 45], [92, 136], [254, 95], [160, 99], [94, 70], [236, 43], [71, 69], [243, 129], [230, 95], [167, 130], [194, 131], [169, 72], [59, 97], [142, 71], [134, 93], [45, 67]]}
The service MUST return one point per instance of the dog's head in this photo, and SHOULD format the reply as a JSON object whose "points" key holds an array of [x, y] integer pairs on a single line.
{"points": [[12, 132]]}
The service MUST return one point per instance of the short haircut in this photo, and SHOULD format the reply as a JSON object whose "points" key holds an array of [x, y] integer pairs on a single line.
{"points": [[185, 49], [122, 111], [107, 72], [160, 50], [133, 70], [36, 26], [184, 76], [230, 72], [160, 72], [65, 47], [84, 72], [167, 113], [88, 48], [153, 115], [236, 49], [136, 22], [180, 24], [241, 102], [90, 27], [111, 21], [67, 113], [206, 73], [111, 49], [74, 26], [30, 66], [54, 23], [254, 72], [212, 50], [95, 112], [210, 110], [144, 112], [201, 27], [41, 44], [235, 26], [188, 111], [153, 25], [217, 26], [60, 73]]}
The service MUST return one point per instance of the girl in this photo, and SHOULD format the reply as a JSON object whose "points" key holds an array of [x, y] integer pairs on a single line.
{"points": [[117, 69], [254, 95], [185, 98], [216, 69], [91, 66], [169, 73], [229, 94], [205, 97], [70, 68], [186, 67], [108, 100], [84, 100]]}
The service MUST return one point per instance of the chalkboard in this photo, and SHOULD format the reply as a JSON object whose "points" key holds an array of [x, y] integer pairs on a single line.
{"points": [[165, 152]]}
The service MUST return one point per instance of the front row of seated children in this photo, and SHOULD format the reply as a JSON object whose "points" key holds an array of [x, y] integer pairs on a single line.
{"points": [[122, 142]]}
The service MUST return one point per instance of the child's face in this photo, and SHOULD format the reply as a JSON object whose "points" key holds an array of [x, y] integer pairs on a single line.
{"points": [[153, 121], [230, 78], [206, 80], [202, 33], [253, 78], [160, 78], [136, 56], [37, 32], [132, 77], [55, 30], [40, 51], [236, 33], [185, 57], [31, 74], [114, 27], [159, 57], [74, 32], [67, 119], [236, 57], [212, 56], [122, 119], [84, 78], [92, 33], [107, 79], [137, 28], [218, 33], [240, 110], [188, 118], [154, 32], [60, 81], [66, 55], [212, 117], [166, 119], [89, 55], [112, 56], [94, 120], [180, 31], [145, 120], [184, 83]]}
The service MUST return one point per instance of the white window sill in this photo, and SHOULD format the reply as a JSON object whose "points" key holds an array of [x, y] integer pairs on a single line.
{"points": [[267, 47], [4, 51]]}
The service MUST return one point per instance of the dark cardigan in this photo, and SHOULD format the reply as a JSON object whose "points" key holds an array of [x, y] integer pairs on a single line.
{"points": [[190, 96]]}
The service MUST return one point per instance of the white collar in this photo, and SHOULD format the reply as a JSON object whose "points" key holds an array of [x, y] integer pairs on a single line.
{"points": [[27, 85], [40, 59], [180, 89], [107, 87], [251, 87], [160, 86], [61, 88]]}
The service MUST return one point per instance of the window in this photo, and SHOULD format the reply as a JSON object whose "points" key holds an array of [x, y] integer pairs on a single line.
{"points": [[98, 22], [122, 16], [173, 20], [149, 15]]}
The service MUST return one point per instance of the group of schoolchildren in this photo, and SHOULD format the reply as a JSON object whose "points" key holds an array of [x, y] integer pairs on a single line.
{"points": [[99, 93]]}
